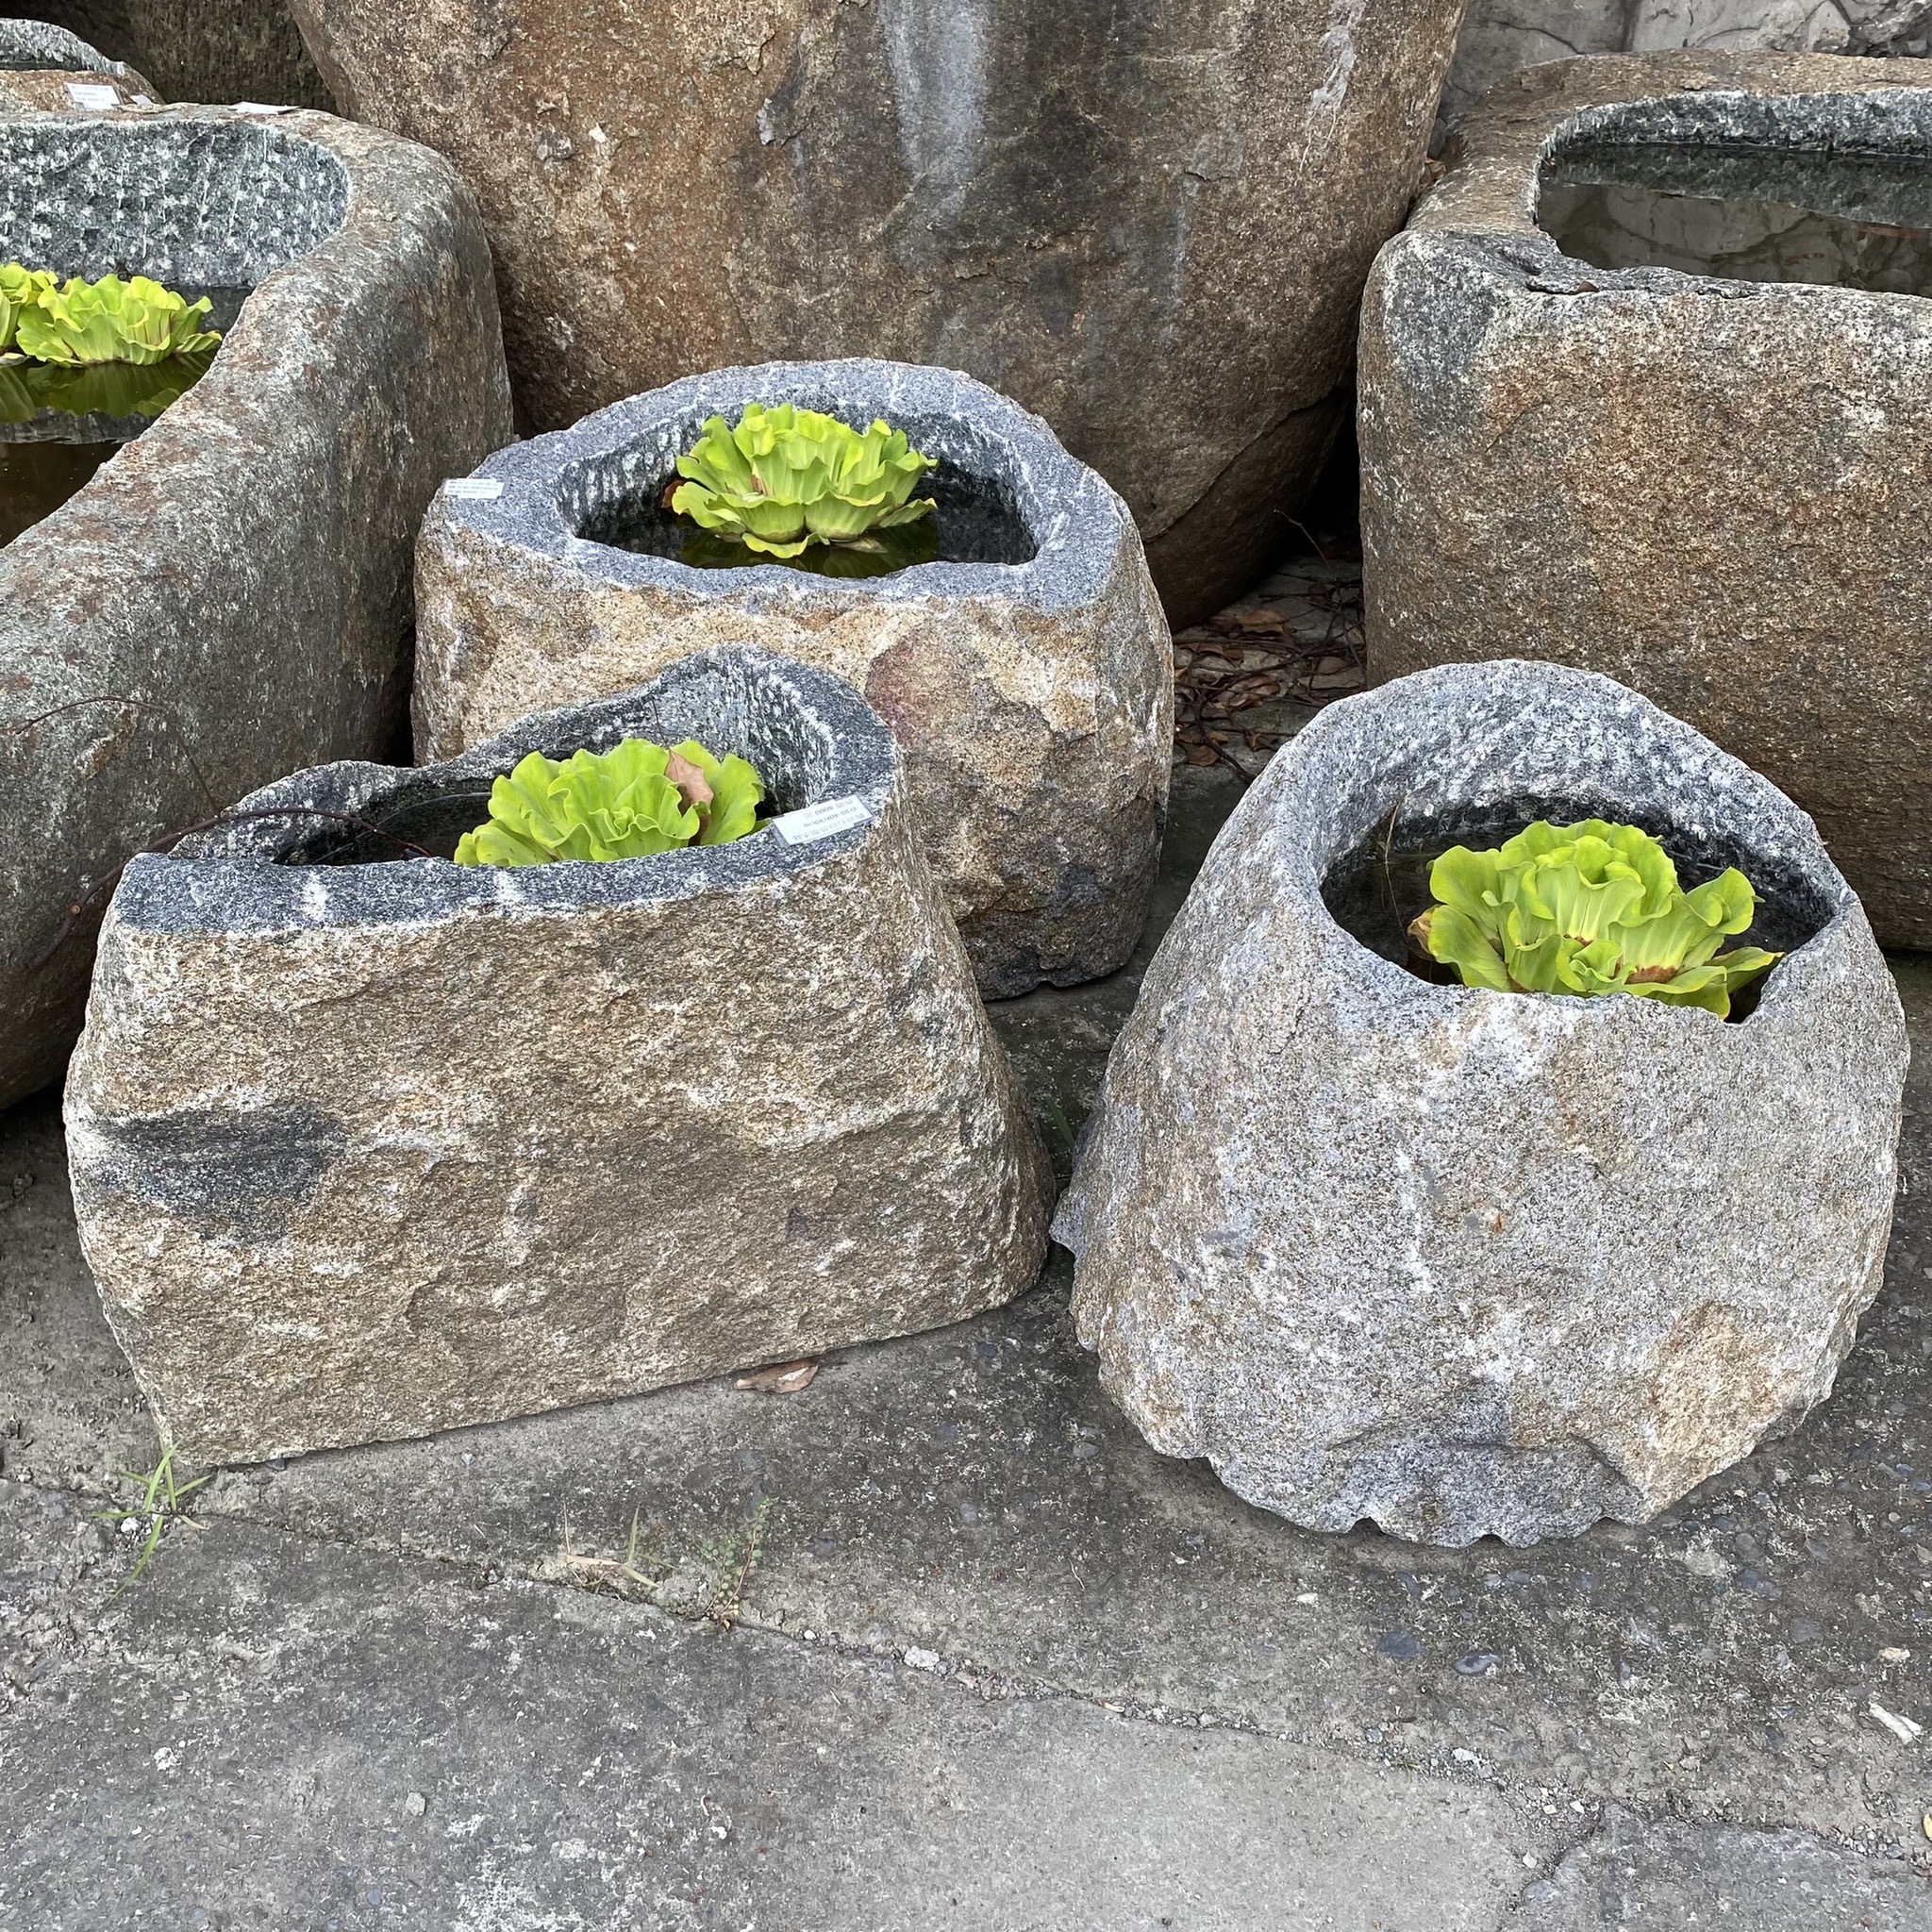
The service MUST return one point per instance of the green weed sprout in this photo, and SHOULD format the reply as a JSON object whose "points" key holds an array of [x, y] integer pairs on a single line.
{"points": [[110, 321], [787, 479], [626, 803], [1589, 908]]}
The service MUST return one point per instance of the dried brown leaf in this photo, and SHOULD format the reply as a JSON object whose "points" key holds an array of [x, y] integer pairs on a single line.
{"points": [[692, 786], [782, 1379]]}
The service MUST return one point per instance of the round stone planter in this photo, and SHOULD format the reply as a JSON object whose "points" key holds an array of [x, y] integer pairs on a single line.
{"points": [[1152, 228], [365, 1150], [1717, 490], [1034, 698], [1474, 1263], [48, 68], [228, 599]]}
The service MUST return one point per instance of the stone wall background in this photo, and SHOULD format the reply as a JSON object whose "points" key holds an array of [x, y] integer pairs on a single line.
{"points": [[1501, 36], [201, 50]]}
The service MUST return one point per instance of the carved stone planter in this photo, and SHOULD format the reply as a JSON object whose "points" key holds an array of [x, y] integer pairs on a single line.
{"points": [[231, 593], [366, 1150], [1152, 228], [1714, 487], [1034, 696], [1475, 1263], [50, 69]]}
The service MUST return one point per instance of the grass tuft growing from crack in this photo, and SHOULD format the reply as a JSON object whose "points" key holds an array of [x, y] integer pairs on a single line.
{"points": [[163, 1502]]}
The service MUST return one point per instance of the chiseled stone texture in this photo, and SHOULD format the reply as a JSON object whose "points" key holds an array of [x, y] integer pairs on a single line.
{"points": [[1719, 492], [1474, 1263], [231, 594], [1149, 224], [363, 1150], [1502, 36], [1035, 701]]}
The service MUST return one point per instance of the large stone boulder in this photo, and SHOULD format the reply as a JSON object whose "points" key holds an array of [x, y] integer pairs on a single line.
{"points": [[1478, 1263], [1033, 696], [1151, 226], [364, 1150], [230, 597], [1716, 490]]}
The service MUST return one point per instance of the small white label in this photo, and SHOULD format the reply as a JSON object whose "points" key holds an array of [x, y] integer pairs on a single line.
{"points": [[259, 108], [143, 100], [91, 95], [822, 819], [475, 489]]}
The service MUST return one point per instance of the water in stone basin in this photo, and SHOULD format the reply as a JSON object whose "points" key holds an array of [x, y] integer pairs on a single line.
{"points": [[1745, 214], [58, 426], [974, 522], [1374, 892]]}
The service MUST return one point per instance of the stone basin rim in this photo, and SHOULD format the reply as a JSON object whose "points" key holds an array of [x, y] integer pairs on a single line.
{"points": [[1803, 853], [237, 878], [1073, 517]]}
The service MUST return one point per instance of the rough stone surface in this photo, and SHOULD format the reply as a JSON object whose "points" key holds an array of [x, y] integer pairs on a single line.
{"points": [[1501, 37], [366, 1150], [229, 599], [1034, 700], [204, 50], [1718, 491], [1473, 1263], [1151, 226], [1638, 1876]]}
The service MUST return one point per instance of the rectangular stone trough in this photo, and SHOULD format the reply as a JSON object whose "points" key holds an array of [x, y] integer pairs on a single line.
{"points": [[366, 1144]]}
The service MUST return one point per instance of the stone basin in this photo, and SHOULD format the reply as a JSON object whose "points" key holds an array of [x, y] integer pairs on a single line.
{"points": [[1678, 469], [363, 1150], [1029, 679], [1474, 1263], [228, 599]]}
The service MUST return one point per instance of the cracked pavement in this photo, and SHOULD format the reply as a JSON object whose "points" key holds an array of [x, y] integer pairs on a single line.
{"points": [[938, 1639]]}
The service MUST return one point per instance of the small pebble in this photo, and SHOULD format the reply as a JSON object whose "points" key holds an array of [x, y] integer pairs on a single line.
{"points": [[1477, 1663], [1400, 1647]]}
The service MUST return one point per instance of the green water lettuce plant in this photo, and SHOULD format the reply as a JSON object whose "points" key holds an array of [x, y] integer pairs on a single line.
{"points": [[110, 321], [1589, 908], [626, 803], [787, 478]]}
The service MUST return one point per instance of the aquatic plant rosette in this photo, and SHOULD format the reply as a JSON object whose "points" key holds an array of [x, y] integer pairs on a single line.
{"points": [[1033, 698], [364, 1150], [1469, 1262]]}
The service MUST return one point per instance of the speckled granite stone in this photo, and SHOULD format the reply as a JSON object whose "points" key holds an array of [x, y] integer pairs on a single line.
{"points": [[363, 1150], [1474, 1263], [232, 592], [1035, 701], [1150, 223], [1719, 492]]}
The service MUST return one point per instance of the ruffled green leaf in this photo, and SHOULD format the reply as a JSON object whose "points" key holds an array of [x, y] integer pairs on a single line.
{"points": [[618, 804], [1589, 908], [20, 289], [736, 791], [787, 479]]}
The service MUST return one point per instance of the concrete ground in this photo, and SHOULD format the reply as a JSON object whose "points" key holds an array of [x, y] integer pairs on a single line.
{"points": [[938, 1640]]}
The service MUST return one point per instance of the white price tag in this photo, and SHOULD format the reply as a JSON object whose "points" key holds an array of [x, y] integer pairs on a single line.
{"points": [[475, 489], [92, 95], [259, 108], [821, 821]]}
